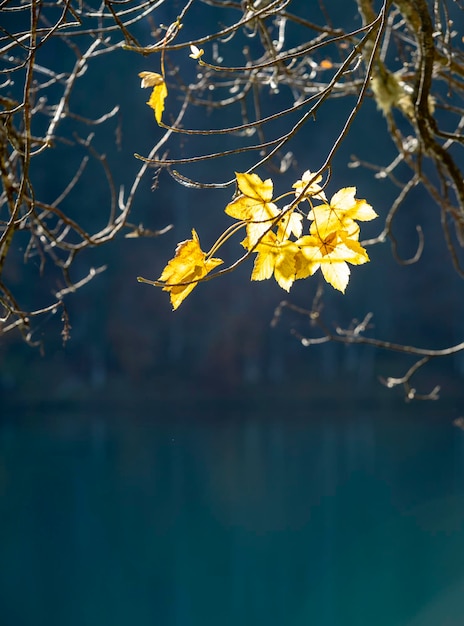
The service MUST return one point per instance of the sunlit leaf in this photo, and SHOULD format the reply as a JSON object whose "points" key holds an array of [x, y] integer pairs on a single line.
{"points": [[337, 273], [263, 267], [285, 265], [327, 221], [351, 250], [340, 214], [254, 206], [290, 224], [311, 191], [188, 266], [344, 200], [331, 254], [275, 257], [159, 93], [252, 186], [308, 258]]}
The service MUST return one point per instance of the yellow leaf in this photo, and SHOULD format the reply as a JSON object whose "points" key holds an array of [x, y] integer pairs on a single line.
{"points": [[305, 266], [340, 214], [345, 202], [290, 224], [327, 221], [336, 273], [331, 254], [252, 211], [309, 257], [274, 257], [333, 263], [252, 186], [264, 265], [159, 93], [189, 265], [351, 250], [156, 101], [254, 206], [313, 190], [285, 265]]}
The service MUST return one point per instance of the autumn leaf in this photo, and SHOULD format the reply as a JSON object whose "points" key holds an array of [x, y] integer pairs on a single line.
{"points": [[313, 190], [332, 254], [340, 214], [337, 273], [274, 257], [254, 205], [150, 79], [159, 93], [308, 262], [345, 201], [188, 266], [290, 224], [252, 186]]}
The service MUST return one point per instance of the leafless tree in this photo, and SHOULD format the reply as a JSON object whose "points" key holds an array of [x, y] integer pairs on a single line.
{"points": [[46, 48]]}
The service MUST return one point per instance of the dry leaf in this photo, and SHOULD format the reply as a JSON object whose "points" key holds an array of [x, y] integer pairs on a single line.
{"points": [[159, 93], [188, 266]]}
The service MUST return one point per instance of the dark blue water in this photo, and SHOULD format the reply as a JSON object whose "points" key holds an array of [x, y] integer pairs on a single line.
{"points": [[231, 519]]}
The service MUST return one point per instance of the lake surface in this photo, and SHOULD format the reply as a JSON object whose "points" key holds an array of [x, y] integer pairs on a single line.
{"points": [[232, 518]]}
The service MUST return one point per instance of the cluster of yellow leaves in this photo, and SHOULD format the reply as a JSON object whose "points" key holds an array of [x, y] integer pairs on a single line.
{"points": [[332, 242], [276, 237]]}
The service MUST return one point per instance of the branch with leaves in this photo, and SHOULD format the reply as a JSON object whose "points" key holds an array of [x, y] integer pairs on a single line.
{"points": [[406, 56], [268, 67], [276, 237]]}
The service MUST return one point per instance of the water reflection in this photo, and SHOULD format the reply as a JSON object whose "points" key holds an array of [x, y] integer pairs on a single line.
{"points": [[231, 519]]}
